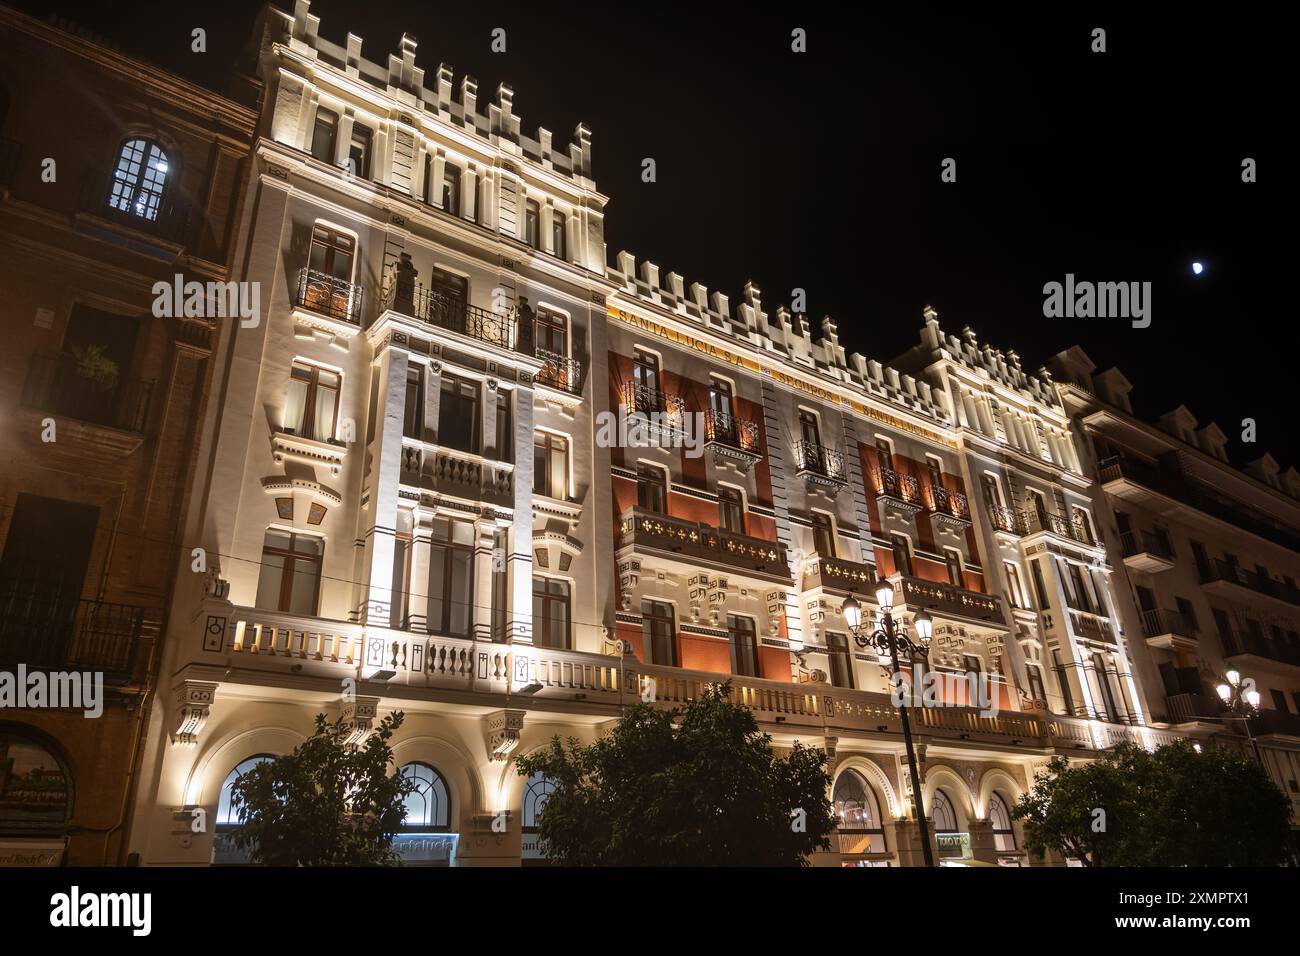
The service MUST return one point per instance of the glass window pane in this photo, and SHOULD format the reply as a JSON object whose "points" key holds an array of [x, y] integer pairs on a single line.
{"points": [[306, 579], [268, 582]]}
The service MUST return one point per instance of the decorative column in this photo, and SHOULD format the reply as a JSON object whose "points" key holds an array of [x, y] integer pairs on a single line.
{"points": [[519, 619], [387, 452]]}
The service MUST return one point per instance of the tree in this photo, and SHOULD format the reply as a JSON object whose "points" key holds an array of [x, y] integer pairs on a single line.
{"points": [[698, 786], [328, 803], [1173, 807]]}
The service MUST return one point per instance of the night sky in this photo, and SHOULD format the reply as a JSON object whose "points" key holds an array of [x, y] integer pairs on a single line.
{"points": [[821, 170]]}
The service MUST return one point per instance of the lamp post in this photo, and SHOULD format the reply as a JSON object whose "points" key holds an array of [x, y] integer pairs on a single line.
{"points": [[1240, 702], [889, 637]]}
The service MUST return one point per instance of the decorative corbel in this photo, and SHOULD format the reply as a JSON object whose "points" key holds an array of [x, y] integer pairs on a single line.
{"points": [[501, 732], [194, 701], [358, 717]]}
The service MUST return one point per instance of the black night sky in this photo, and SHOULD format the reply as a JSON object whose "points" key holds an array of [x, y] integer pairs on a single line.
{"points": [[822, 170]]}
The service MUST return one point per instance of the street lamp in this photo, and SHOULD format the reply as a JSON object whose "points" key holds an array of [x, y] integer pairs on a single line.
{"points": [[1240, 704], [889, 637]]}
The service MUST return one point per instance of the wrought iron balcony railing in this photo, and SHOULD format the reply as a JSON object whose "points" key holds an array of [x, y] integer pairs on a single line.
{"points": [[1236, 645], [49, 630], [642, 400], [1144, 542], [1007, 519], [80, 388], [819, 461], [1160, 621], [1075, 529], [899, 486], [728, 430], [951, 503], [1188, 707], [560, 372], [1219, 570], [329, 296]]}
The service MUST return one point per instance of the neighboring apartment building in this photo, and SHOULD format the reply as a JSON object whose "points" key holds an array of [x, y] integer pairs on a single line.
{"points": [[1211, 555], [99, 404], [411, 501]]}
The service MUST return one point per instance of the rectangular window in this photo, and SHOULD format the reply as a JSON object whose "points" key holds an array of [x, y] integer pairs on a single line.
{"points": [[1188, 613], [532, 220], [810, 432], [451, 577], [652, 489], [884, 454], [458, 416], [428, 179], [902, 554], [359, 151], [1014, 592], [992, 493], [744, 645], [551, 613], [952, 558], [559, 240], [1040, 589], [823, 529], [1063, 679], [1035, 682], [330, 255], [1107, 693], [505, 427], [658, 633], [500, 582], [841, 662], [550, 465], [1279, 701], [731, 510], [645, 376], [1202, 558], [324, 135], [551, 333], [289, 579], [451, 189], [312, 405], [401, 589], [413, 413]]}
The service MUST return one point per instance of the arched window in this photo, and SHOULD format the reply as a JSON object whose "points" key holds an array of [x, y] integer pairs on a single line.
{"points": [[861, 827], [536, 792], [428, 807], [224, 850], [35, 786], [945, 819], [139, 179], [1004, 837], [227, 814]]}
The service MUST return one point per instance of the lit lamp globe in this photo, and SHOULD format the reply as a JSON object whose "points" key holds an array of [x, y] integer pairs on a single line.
{"points": [[924, 626], [885, 596], [1234, 677], [1224, 692], [852, 611], [1252, 698]]}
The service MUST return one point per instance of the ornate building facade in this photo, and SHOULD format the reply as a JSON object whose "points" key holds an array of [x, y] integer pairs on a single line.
{"points": [[465, 469]]}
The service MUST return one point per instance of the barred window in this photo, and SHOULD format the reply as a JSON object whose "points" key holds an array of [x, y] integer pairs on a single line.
{"points": [[139, 179]]}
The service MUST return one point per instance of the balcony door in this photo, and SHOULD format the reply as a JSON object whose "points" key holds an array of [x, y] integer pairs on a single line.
{"points": [[839, 658], [744, 645], [551, 333], [658, 633], [902, 554], [645, 376], [332, 253]]}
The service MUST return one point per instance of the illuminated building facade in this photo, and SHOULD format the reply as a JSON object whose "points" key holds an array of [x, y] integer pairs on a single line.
{"points": [[423, 495]]}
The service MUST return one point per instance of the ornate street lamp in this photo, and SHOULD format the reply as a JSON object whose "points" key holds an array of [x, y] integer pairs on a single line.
{"points": [[890, 637], [1240, 704]]}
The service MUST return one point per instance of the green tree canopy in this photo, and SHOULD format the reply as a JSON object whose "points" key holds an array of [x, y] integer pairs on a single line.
{"points": [[326, 804], [696, 786], [1172, 807]]}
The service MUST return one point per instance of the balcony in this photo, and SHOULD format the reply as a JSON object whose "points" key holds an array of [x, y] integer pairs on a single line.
{"points": [[658, 408], [732, 438], [1007, 520], [327, 651], [1093, 627], [1188, 708], [1169, 630], [327, 303], [1070, 529], [1144, 551], [819, 465], [1139, 482], [560, 372], [1220, 576], [948, 599], [836, 574], [88, 388], [459, 474], [1252, 645], [46, 630], [1277, 722], [502, 330], [692, 542], [899, 490], [950, 506]]}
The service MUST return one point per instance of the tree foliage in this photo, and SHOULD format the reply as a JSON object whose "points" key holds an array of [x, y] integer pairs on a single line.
{"points": [[1172, 807], [326, 804], [696, 786]]}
